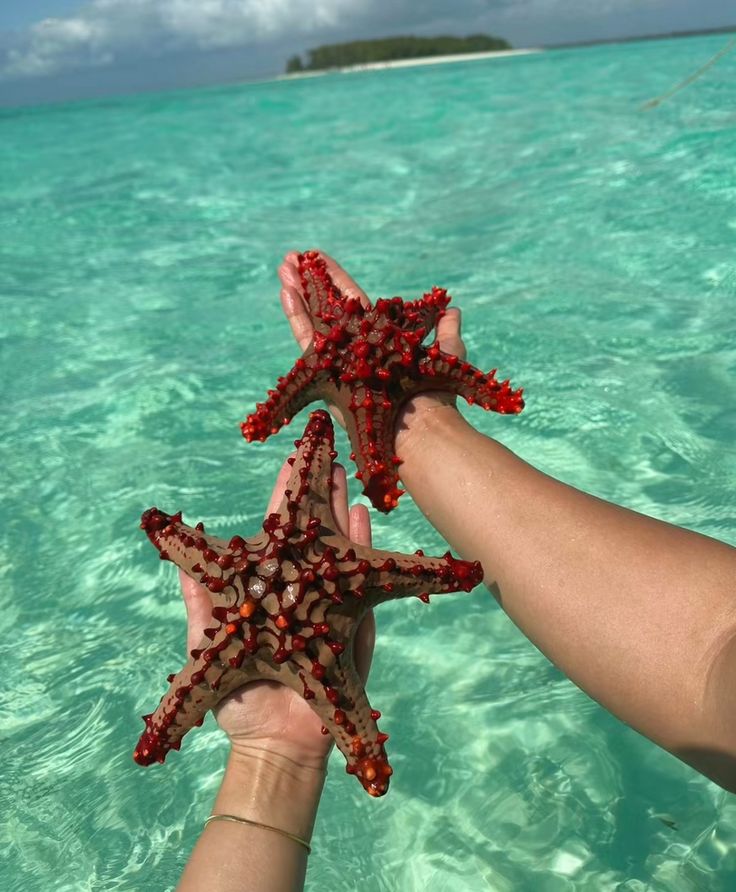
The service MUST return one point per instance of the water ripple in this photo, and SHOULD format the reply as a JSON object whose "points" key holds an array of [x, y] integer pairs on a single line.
{"points": [[590, 247]]}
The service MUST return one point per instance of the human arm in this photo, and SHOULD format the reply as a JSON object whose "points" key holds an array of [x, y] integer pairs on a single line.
{"points": [[276, 767], [638, 613]]}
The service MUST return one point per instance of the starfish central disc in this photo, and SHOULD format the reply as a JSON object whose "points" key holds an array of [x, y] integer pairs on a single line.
{"points": [[368, 361], [287, 603]]}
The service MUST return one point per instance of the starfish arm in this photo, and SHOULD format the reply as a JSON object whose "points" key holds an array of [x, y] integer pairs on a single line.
{"points": [[394, 576], [205, 558], [203, 682], [310, 480], [340, 700], [445, 371], [422, 315], [370, 424], [294, 391], [323, 298]]}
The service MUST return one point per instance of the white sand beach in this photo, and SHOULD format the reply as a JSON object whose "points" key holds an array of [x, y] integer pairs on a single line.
{"points": [[409, 63]]}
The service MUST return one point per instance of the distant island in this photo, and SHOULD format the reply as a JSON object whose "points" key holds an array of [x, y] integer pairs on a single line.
{"points": [[389, 49]]}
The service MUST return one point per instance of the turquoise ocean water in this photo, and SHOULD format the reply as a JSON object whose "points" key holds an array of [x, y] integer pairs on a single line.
{"points": [[591, 246]]}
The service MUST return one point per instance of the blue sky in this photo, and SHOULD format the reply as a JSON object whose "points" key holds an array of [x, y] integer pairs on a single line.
{"points": [[63, 49]]}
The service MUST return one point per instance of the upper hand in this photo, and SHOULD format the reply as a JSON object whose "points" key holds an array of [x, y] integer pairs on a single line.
{"points": [[294, 307]]}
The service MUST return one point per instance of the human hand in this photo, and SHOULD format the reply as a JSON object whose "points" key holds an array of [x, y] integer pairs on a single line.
{"points": [[294, 307], [267, 718]]}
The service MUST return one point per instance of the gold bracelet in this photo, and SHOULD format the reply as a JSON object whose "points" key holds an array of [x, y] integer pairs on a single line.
{"points": [[237, 820]]}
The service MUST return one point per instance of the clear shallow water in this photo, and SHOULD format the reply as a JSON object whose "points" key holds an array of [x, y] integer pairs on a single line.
{"points": [[591, 246]]}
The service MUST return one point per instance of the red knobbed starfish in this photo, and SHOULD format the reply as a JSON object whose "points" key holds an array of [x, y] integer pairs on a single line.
{"points": [[288, 602], [368, 360]]}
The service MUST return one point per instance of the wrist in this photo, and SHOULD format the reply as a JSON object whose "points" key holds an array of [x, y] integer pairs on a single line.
{"points": [[270, 788], [281, 752], [427, 414]]}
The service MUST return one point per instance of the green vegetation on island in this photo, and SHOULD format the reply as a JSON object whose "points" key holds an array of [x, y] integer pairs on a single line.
{"points": [[387, 49]]}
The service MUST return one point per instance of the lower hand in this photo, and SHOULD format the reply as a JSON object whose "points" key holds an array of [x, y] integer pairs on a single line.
{"points": [[267, 718]]}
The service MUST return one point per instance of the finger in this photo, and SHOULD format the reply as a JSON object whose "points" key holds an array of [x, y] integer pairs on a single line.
{"points": [[448, 333], [198, 603], [344, 281], [339, 499], [365, 637], [295, 311], [289, 270], [359, 529], [365, 640], [292, 301], [279, 487]]}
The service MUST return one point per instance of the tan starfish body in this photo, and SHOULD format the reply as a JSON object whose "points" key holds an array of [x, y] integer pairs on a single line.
{"points": [[288, 602], [368, 361]]}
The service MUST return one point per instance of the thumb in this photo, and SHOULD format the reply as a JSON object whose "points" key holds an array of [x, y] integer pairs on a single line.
{"points": [[448, 333], [199, 609]]}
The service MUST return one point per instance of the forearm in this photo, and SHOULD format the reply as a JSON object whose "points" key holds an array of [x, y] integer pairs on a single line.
{"points": [[638, 613], [234, 857]]}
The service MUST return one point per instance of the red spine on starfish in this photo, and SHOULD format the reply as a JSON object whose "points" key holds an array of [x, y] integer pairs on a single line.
{"points": [[368, 361], [286, 605]]}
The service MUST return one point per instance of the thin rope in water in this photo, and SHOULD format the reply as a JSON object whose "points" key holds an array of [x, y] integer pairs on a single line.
{"points": [[653, 103]]}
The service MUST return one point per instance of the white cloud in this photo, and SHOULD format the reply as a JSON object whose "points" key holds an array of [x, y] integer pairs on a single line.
{"points": [[105, 31]]}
